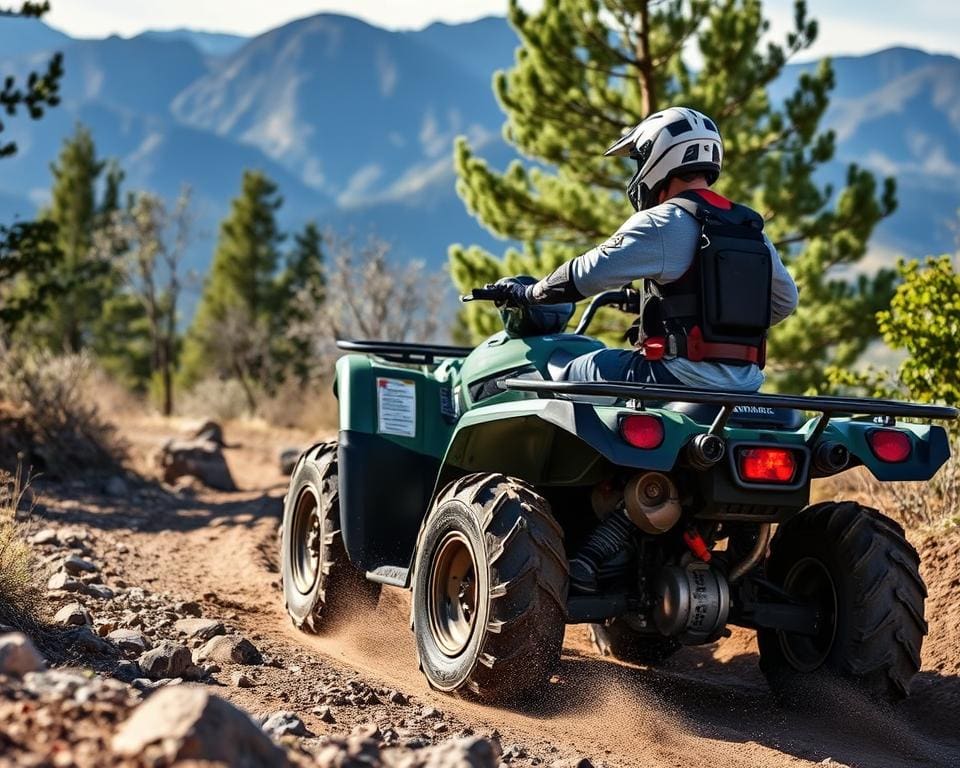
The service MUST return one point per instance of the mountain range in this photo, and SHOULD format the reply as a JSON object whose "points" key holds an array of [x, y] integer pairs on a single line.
{"points": [[355, 123]]}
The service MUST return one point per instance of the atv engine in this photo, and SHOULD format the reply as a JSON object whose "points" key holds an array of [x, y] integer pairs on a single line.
{"points": [[693, 602]]}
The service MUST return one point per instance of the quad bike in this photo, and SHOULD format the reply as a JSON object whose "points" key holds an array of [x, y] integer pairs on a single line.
{"points": [[512, 504]]}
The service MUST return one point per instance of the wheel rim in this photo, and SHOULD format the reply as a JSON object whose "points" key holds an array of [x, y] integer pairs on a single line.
{"points": [[809, 581], [453, 594], [305, 542]]}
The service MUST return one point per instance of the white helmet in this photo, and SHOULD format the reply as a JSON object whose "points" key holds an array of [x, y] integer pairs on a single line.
{"points": [[674, 141]]}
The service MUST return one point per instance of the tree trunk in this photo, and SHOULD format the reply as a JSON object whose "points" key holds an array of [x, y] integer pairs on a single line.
{"points": [[645, 63]]}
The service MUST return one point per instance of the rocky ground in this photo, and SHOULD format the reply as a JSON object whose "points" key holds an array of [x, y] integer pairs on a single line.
{"points": [[166, 597]]}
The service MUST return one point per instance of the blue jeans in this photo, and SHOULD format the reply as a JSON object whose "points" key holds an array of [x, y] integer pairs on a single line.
{"points": [[618, 365]]}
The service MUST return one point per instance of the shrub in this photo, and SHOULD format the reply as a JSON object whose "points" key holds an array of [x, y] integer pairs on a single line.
{"points": [[19, 593], [49, 416]]}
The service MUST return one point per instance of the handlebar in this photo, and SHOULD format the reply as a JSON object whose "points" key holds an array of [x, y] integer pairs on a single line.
{"points": [[626, 299]]}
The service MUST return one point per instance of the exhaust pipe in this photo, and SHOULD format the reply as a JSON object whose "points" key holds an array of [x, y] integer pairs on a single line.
{"points": [[652, 502], [705, 450], [830, 458]]}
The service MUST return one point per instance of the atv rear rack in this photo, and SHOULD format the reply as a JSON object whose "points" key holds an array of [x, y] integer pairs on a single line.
{"points": [[828, 407], [399, 352]]}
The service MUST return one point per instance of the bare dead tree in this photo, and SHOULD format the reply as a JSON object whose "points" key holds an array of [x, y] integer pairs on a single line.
{"points": [[153, 239], [369, 297]]}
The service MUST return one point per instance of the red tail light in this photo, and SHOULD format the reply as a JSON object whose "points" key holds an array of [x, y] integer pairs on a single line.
{"points": [[642, 430], [767, 465], [889, 445]]}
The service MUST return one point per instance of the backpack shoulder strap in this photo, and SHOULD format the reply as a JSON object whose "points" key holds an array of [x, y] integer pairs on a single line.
{"points": [[689, 204]]}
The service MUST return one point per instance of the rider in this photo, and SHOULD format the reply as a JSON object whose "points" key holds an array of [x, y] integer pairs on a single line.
{"points": [[705, 319]]}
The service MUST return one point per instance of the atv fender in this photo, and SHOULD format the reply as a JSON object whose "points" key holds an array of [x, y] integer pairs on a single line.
{"points": [[931, 449], [555, 442]]}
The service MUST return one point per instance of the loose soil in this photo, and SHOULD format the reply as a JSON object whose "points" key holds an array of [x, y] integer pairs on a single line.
{"points": [[709, 706]]}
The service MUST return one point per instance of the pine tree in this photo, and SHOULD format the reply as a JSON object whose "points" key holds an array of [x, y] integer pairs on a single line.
{"points": [[66, 325], [303, 287], [589, 69], [240, 312]]}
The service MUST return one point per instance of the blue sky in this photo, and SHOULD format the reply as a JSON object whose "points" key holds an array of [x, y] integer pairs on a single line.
{"points": [[851, 26]]}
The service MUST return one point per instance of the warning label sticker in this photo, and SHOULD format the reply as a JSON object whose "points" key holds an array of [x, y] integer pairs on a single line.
{"points": [[397, 407]]}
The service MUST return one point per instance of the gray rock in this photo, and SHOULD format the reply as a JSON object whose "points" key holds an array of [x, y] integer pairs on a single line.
{"points": [[281, 724], [202, 629], [61, 582], [474, 752], [116, 486], [199, 458], [288, 460], [187, 723], [76, 565], [85, 640], [230, 649], [45, 536], [189, 608], [98, 591], [166, 660], [129, 640], [240, 680], [18, 655], [127, 671], [73, 614]]}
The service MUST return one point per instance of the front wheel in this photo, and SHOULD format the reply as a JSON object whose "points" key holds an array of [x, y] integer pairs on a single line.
{"points": [[857, 568], [320, 585], [489, 590]]}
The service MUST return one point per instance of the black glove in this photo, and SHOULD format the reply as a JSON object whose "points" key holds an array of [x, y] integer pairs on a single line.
{"points": [[513, 292]]}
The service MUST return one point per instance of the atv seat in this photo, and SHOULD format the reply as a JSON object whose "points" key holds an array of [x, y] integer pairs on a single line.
{"points": [[557, 362], [742, 416]]}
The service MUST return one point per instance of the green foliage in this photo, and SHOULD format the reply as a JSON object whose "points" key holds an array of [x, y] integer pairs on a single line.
{"points": [[27, 249], [241, 310], [84, 278], [589, 69], [302, 285], [922, 321]]}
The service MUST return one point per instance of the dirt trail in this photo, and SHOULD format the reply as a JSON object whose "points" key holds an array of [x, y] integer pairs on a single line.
{"points": [[708, 707]]}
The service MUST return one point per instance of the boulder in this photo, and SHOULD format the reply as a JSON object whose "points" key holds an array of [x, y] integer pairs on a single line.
{"points": [[129, 640], [166, 660], [84, 640], [186, 723], [73, 614], [230, 649], [18, 655], [202, 459], [202, 629]]}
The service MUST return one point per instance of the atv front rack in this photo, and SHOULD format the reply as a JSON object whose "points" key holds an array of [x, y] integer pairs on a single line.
{"points": [[828, 407], [398, 352]]}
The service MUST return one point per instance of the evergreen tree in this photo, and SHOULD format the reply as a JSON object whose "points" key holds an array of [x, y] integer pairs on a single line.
{"points": [[240, 312], [303, 287], [86, 281], [587, 70], [27, 249]]}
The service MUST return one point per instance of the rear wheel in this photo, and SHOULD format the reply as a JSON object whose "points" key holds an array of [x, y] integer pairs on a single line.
{"points": [[620, 640], [320, 586], [857, 568], [489, 590]]}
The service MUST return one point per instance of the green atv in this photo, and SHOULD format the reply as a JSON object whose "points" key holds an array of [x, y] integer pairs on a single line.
{"points": [[513, 504]]}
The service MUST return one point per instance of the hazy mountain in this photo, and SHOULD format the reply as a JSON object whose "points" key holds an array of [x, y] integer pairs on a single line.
{"points": [[209, 43], [356, 123]]}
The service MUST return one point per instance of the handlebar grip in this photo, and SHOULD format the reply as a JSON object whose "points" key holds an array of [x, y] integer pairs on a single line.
{"points": [[483, 294]]}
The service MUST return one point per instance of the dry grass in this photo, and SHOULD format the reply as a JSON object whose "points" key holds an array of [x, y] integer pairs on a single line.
{"points": [[311, 409], [19, 591], [49, 415], [915, 505], [216, 399]]}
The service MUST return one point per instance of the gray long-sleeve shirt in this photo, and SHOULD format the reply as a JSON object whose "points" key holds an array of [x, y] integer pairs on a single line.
{"points": [[659, 244]]}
